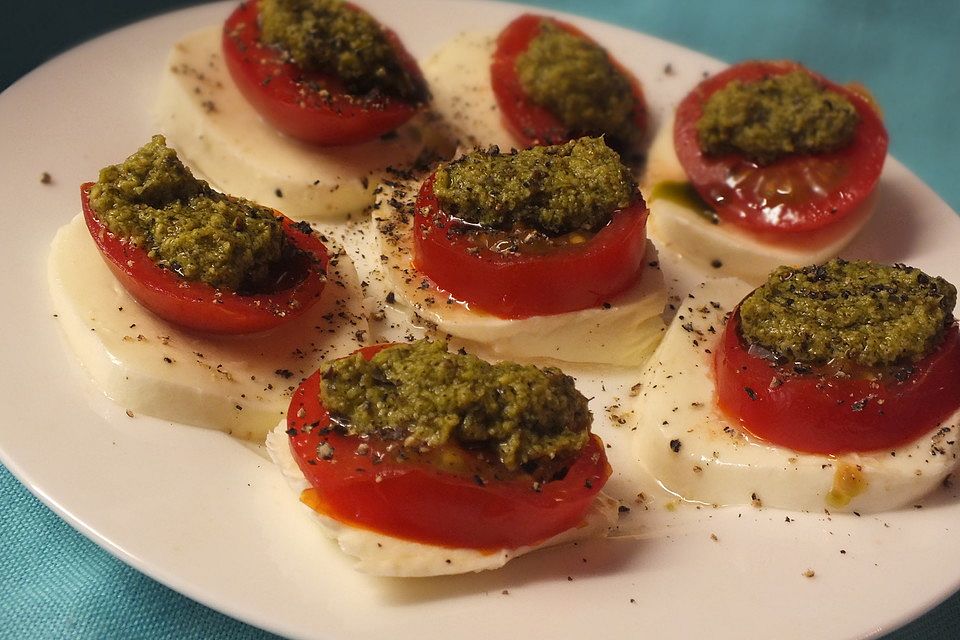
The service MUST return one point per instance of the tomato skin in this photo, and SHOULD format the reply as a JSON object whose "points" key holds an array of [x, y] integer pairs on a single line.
{"points": [[198, 306], [280, 91], [571, 278], [528, 122], [416, 502], [823, 188], [819, 414]]}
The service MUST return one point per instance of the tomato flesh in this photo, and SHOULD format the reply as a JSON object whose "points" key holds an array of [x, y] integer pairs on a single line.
{"points": [[290, 98], [819, 412], [527, 121], [416, 501], [198, 306], [520, 285], [797, 193]]}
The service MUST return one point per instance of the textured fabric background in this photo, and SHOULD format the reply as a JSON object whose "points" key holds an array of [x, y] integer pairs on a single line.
{"points": [[56, 584]]}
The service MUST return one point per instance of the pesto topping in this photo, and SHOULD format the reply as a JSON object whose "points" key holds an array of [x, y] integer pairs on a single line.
{"points": [[330, 37], [153, 201], [557, 189], [424, 396], [850, 312], [780, 115], [576, 81]]}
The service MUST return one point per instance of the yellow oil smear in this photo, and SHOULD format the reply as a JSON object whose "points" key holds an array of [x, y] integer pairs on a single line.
{"points": [[849, 481], [311, 498]]}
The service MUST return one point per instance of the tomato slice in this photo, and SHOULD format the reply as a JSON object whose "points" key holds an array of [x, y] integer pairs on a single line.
{"points": [[519, 285], [291, 99], [198, 306], [528, 122], [818, 412], [797, 193], [358, 481]]}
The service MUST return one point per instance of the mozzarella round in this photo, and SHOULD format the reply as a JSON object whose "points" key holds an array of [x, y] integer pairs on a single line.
{"points": [[727, 249], [622, 332], [683, 440], [237, 384], [383, 555], [223, 139], [459, 78]]}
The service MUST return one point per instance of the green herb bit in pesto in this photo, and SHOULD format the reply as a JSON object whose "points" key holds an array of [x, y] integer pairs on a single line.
{"points": [[576, 81], [774, 117], [557, 189], [849, 312], [329, 36], [153, 201], [424, 396]]}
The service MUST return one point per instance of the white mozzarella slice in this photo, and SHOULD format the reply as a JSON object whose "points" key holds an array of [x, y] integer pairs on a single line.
{"points": [[236, 384], [224, 140], [682, 439], [383, 555], [623, 332], [459, 78], [726, 249]]}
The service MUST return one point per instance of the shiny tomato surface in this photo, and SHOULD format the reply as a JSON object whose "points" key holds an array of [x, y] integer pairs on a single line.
{"points": [[198, 306], [306, 105], [519, 285], [817, 411], [796, 193], [530, 123], [360, 482]]}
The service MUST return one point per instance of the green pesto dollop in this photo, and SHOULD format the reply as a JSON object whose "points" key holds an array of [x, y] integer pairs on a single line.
{"points": [[424, 396], [330, 37], [774, 117], [576, 81], [153, 201], [853, 312], [554, 189]]}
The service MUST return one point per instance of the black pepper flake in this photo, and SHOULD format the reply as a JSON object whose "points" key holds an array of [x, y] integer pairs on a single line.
{"points": [[859, 405], [675, 445], [750, 393], [716, 264], [291, 432], [478, 480], [588, 483], [391, 298], [284, 373], [623, 509], [46, 178], [278, 192], [303, 227]]}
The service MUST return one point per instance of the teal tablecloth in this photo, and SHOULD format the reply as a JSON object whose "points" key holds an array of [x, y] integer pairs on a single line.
{"points": [[56, 584]]}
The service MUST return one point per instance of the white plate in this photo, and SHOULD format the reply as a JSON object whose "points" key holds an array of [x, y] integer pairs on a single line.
{"points": [[204, 515]]}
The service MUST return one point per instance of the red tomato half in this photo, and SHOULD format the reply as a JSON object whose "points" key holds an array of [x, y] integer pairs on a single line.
{"points": [[290, 98], [797, 193], [511, 285], [818, 412], [530, 123], [198, 306], [413, 500]]}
